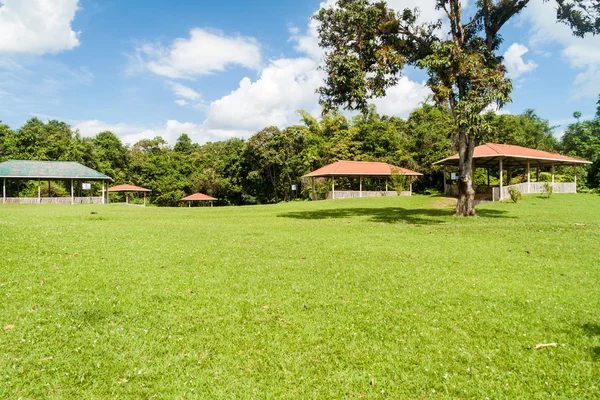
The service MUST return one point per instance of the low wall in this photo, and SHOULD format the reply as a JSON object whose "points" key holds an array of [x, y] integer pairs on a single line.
{"points": [[355, 194], [534, 187], [53, 200]]}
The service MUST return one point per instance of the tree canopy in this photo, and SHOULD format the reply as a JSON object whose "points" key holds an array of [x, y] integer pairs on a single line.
{"points": [[262, 168], [368, 44]]}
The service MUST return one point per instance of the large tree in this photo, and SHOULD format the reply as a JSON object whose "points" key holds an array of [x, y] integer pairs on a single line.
{"points": [[368, 44]]}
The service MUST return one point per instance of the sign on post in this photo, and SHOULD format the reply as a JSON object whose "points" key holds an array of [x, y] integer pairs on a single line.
{"points": [[86, 186], [293, 187]]}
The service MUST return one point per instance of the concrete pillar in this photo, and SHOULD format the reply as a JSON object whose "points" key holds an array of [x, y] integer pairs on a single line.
{"points": [[552, 174], [72, 193], [332, 188], [575, 176], [314, 189], [501, 178], [360, 195], [4, 191], [102, 192], [39, 192]]}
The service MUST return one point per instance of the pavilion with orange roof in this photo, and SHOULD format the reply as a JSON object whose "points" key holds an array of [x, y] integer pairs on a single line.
{"points": [[511, 157], [360, 170], [198, 197], [126, 188]]}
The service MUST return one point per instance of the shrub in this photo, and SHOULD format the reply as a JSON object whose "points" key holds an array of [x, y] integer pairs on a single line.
{"points": [[515, 194], [548, 189]]}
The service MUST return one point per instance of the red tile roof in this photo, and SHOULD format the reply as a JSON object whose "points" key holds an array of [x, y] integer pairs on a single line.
{"points": [[360, 168], [504, 151], [198, 196], [128, 188]]}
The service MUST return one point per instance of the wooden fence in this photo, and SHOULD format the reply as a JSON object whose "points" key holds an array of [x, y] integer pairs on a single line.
{"points": [[53, 200]]}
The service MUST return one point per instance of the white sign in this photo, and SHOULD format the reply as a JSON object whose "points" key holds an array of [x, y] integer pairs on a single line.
{"points": [[293, 187], [454, 176], [86, 186]]}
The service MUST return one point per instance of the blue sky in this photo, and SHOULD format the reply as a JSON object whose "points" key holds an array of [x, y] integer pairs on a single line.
{"points": [[215, 70]]}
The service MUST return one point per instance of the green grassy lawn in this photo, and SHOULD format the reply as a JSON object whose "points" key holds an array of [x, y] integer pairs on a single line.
{"points": [[375, 298]]}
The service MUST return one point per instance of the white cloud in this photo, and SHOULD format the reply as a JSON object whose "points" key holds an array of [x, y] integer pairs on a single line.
{"points": [[184, 91], [402, 98], [513, 60], [37, 26], [579, 53], [204, 52], [170, 131], [283, 87], [181, 102], [493, 107]]}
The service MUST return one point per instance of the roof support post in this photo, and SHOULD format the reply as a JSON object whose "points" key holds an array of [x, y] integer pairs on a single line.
{"points": [[410, 179], [528, 177], [553, 174], [501, 176], [72, 193], [314, 189], [386, 183], [102, 192], [49, 188], [4, 191], [333, 188], [537, 174], [575, 176], [126, 198], [360, 194], [39, 192], [144, 199], [488, 176]]}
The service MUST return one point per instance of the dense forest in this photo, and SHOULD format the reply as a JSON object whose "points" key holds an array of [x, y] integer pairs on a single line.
{"points": [[263, 168]]}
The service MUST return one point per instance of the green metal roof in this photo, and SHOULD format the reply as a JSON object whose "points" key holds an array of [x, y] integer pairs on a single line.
{"points": [[25, 169]]}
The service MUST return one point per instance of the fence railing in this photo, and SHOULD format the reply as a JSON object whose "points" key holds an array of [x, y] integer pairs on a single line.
{"points": [[52, 200], [354, 194], [534, 187]]}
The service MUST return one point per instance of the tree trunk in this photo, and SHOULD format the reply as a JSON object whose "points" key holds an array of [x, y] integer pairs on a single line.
{"points": [[466, 194]]}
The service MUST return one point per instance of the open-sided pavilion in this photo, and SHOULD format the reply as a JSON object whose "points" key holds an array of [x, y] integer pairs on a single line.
{"points": [[198, 197], [28, 170], [360, 170], [127, 188], [510, 157]]}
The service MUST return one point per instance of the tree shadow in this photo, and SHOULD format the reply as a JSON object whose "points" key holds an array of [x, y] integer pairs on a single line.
{"points": [[592, 329], [420, 216]]}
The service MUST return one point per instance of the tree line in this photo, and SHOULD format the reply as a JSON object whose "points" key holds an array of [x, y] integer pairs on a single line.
{"points": [[263, 168]]}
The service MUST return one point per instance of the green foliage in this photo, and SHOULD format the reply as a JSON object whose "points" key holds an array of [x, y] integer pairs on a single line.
{"points": [[515, 194], [548, 189], [367, 45]]}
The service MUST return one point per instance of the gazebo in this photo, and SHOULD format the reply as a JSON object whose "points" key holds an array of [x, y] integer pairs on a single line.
{"points": [[198, 197], [360, 170], [70, 171], [511, 157], [129, 189]]}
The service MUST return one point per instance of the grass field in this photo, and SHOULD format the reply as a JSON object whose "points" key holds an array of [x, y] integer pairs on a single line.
{"points": [[374, 298]]}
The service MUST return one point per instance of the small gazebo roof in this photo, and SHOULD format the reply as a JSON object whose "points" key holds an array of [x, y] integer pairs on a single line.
{"points": [[360, 168], [128, 188], [489, 154], [33, 169], [197, 196]]}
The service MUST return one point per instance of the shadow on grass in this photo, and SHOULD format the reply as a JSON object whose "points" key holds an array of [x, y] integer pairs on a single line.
{"points": [[591, 329], [421, 216]]}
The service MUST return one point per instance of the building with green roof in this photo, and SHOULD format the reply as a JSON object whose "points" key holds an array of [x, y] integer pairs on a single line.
{"points": [[51, 171]]}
